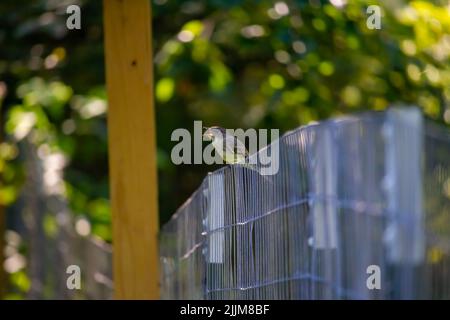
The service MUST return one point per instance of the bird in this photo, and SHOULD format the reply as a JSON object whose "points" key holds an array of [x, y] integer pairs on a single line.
{"points": [[228, 146]]}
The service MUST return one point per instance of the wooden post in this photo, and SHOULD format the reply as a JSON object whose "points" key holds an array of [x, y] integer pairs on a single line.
{"points": [[132, 148]]}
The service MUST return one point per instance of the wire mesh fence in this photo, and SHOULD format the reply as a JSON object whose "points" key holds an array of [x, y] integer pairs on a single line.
{"points": [[359, 209]]}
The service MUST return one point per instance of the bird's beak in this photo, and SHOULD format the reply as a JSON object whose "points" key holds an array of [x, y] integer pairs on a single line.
{"points": [[207, 136]]}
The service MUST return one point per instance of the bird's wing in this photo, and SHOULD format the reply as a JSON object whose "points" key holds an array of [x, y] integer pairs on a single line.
{"points": [[240, 148], [234, 149]]}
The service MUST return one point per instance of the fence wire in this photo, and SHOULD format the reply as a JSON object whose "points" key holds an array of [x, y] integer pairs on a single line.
{"points": [[359, 209]]}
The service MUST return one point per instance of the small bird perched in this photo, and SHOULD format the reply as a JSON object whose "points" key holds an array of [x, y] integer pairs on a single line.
{"points": [[228, 146]]}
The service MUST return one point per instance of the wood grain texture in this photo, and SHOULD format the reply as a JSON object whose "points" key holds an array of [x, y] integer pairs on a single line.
{"points": [[132, 148]]}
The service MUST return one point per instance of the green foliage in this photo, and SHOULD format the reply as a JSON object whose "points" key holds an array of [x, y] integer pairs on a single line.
{"points": [[230, 63], [284, 64]]}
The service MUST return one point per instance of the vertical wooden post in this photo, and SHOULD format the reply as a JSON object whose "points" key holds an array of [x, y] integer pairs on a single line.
{"points": [[132, 147]]}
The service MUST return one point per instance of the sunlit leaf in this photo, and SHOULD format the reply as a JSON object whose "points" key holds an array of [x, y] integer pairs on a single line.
{"points": [[164, 89]]}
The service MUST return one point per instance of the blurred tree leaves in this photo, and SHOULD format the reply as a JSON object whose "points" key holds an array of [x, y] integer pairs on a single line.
{"points": [[271, 64], [286, 63]]}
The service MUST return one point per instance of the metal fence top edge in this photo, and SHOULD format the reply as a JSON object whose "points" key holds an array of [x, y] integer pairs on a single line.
{"points": [[187, 202], [435, 131]]}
